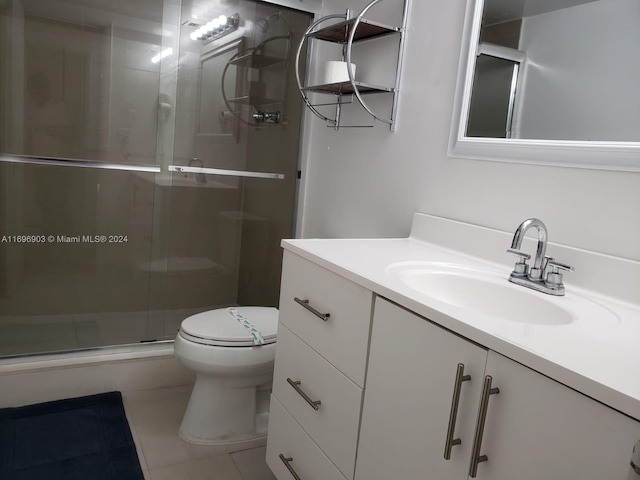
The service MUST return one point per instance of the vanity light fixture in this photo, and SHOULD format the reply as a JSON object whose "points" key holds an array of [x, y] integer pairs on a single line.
{"points": [[216, 28]]}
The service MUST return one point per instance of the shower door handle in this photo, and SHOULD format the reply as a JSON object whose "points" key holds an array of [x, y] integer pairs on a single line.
{"points": [[224, 172]]}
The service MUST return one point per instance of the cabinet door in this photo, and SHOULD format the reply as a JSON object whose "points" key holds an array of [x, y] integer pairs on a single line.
{"points": [[537, 428], [408, 398]]}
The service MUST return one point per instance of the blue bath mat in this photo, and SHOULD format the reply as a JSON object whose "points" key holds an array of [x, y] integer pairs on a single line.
{"points": [[85, 438]]}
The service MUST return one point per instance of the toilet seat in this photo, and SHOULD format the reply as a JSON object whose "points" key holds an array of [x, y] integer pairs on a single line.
{"points": [[220, 328]]}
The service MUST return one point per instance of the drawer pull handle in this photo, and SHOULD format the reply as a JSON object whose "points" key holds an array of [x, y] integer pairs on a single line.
{"points": [[450, 441], [315, 404], [476, 458], [305, 304], [287, 463]]}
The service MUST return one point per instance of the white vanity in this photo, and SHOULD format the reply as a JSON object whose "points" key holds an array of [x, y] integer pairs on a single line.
{"points": [[384, 367]]}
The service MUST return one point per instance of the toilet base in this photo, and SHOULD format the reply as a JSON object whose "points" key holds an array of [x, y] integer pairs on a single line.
{"points": [[220, 414]]}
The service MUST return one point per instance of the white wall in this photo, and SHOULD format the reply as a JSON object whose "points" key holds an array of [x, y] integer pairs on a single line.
{"points": [[596, 70], [368, 182]]}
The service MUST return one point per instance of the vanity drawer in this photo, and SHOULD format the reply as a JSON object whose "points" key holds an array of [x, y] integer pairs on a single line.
{"points": [[343, 337], [287, 439], [334, 424]]}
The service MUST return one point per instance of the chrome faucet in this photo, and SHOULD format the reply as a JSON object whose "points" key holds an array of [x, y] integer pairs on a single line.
{"points": [[537, 277]]}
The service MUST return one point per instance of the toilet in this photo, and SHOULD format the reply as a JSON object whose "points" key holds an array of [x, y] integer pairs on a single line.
{"points": [[232, 352]]}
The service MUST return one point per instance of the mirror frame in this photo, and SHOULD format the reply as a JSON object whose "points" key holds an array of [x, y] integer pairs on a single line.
{"points": [[621, 156]]}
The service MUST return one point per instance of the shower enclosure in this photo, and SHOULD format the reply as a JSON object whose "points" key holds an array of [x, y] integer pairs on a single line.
{"points": [[148, 165]]}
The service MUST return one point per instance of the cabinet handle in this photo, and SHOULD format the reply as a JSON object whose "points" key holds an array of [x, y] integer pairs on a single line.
{"points": [[315, 404], [476, 458], [305, 304], [287, 463], [457, 387]]}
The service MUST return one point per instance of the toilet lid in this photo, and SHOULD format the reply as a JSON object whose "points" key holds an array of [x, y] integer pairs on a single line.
{"points": [[219, 327]]}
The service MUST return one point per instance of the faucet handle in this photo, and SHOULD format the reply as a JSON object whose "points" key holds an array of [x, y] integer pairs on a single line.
{"points": [[557, 266], [521, 268], [523, 256], [554, 277]]}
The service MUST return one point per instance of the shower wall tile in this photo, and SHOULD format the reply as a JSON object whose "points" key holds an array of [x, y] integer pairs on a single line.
{"points": [[37, 334], [134, 49], [134, 115], [111, 328]]}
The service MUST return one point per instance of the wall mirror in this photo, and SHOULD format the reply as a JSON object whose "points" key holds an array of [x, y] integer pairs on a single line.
{"points": [[552, 82]]}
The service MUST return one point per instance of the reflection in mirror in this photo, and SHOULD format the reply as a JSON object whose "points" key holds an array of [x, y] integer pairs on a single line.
{"points": [[550, 81], [214, 118], [495, 85], [580, 70]]}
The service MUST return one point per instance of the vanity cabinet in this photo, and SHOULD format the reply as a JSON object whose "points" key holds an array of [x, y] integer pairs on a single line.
{"points": [[319, 374], [543, 429], [536, 428], [410, 381]]}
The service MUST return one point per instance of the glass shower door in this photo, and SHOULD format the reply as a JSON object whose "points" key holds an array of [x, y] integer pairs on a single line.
{"points": [[79, 152], [146, 174], [235, 163]]}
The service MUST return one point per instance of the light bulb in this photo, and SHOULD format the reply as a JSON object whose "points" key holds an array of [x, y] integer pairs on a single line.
{"points": [[210, 27], [194, 35], [223, 20]]}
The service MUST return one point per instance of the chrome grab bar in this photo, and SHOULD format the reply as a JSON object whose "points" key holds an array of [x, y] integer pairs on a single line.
{"points": [[305, 304], [287, 463], [229, 173], [476, 458], [315, 404], [74, 162], [457, 387]]}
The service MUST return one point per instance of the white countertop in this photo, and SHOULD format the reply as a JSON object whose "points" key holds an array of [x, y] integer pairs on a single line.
{"points": [[598, 359]]}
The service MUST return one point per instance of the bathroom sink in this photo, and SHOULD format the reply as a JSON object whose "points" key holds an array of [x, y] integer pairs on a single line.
{"points": [[490, 293]]}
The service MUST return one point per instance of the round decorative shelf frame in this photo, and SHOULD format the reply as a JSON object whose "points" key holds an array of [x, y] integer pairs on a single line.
{"points": [[357, 20]]}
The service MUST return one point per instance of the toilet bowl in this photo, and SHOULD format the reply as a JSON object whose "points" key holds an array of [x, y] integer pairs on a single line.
{"points": [[234, 371]]}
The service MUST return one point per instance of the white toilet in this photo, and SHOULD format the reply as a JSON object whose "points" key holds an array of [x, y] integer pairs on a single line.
{"points": [[229, 402]]}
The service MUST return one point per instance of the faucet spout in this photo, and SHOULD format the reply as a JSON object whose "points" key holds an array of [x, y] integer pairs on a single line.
{"points": [[537, 277], [542, 242]]}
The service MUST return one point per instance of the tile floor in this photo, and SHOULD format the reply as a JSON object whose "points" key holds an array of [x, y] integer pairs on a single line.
{"points": [[155, 416]]}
